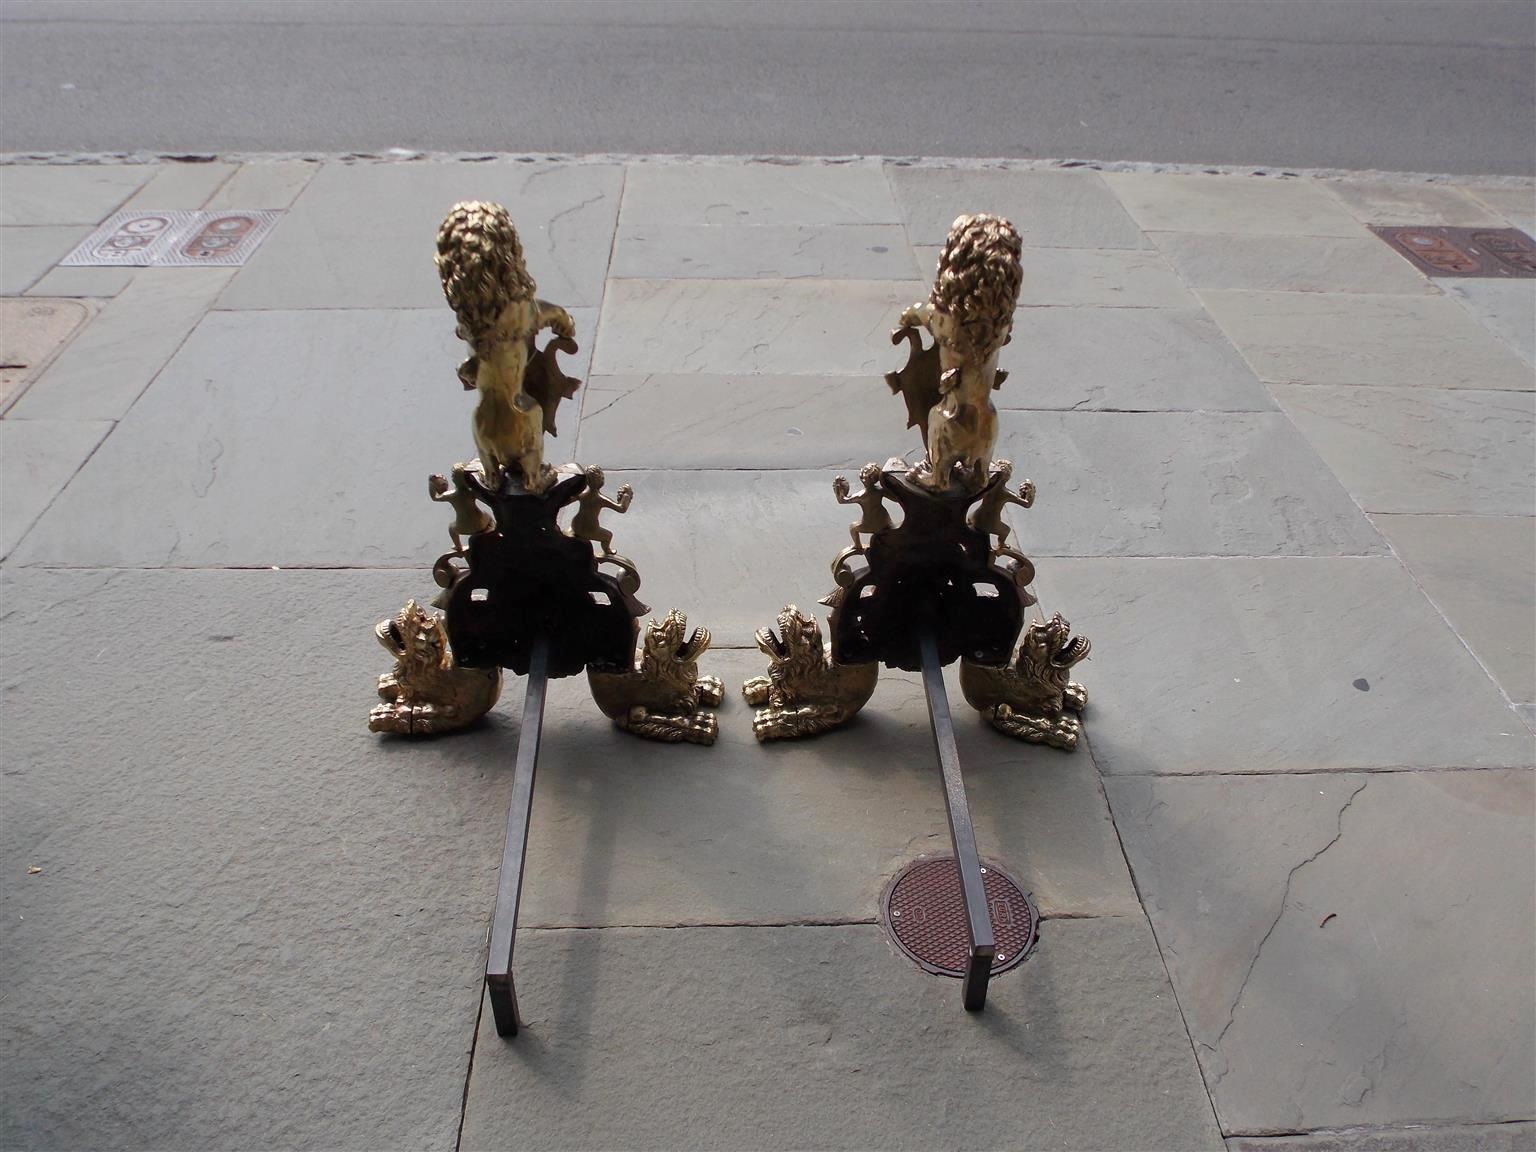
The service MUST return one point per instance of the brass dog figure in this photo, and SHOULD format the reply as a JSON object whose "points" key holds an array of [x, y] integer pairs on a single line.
{"points": [[427, 692], [804, 693], [1034, 698], [663, 697]]}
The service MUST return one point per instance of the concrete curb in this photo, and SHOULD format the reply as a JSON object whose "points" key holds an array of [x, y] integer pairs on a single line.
{"points": [[412, 156]]}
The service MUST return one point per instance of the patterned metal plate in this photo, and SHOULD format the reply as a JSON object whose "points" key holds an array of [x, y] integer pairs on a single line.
{"points": [[139, 239], [924, 914], [220, 238], [131, 239], [1498, 253]]}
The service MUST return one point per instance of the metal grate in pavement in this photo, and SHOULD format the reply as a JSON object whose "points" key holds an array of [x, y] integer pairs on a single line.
{"points": [[1497, 253], [197, 239], [923, 912]]}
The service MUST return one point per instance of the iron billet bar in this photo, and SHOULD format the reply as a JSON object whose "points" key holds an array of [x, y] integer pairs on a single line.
{"points": [[509, 887], [978, 916]]}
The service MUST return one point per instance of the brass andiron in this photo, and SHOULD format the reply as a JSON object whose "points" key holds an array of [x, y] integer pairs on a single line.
{"points": [[947, 583], [517, 590]]}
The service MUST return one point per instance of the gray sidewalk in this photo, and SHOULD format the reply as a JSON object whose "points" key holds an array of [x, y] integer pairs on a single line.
{"points": [[1287, 485]]}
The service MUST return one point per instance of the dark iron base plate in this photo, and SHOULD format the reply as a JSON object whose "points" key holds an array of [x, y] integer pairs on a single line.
{"points": [[924, 915]]}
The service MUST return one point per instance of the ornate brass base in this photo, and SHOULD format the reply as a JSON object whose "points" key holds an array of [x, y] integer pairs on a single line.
{"points": [[515, 576], [939, 571]]}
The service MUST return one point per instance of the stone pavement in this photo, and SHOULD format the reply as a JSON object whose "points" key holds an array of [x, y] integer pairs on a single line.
{"points": [[1286, 486]]}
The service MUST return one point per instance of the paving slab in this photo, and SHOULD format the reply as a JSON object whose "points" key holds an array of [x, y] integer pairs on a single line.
{"points": [[627, 832], [1347, 949], [32, 332], [794, 327], [1351, 338], [1480, 571], [26, 254], [1423, 450], [67, 193], [775, 251], [1050, 209], [733, 546], [1507, 308], [1232, 205], [1399, 202], [253, 924], [1281, 665], [37, 459], [362, 236], [85, 282], [1295, 264], [237, 442], [821, 1037], [1126, 359], [181, 186], [756, 194], [1177, 484], [736, 421], [106, 368], [273, 186], [1087, 277], [1515, 204], [1516, 1137]]}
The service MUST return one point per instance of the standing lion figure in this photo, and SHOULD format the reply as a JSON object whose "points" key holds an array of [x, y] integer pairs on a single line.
{"points": [[427, 692], [969, 313], [480, 260]]}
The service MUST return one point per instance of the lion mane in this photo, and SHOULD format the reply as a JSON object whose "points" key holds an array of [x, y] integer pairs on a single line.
{"points": [[480, 261], [979, 276]]}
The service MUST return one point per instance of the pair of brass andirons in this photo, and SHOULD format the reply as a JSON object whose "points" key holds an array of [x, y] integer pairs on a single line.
{"points": [[516, 580]]}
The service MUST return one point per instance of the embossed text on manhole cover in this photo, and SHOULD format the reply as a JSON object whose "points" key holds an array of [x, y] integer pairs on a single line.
{"points": [[924, 915], [1498, 253]]}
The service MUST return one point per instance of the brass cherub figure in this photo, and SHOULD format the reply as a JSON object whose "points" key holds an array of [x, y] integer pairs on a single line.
{"points": [[468, 517], [590, 506], [870, 502], [480, 260], [875, 518], [988, 514], [948, 387]]}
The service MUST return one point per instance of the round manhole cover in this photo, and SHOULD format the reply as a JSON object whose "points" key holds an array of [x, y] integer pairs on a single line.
{"points": [[924, 914]]}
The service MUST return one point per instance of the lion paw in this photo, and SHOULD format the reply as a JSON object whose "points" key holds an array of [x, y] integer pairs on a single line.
{"points": [[1054, 731], [757, 690], [711, 691], [790, 723], [694, 728]]}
